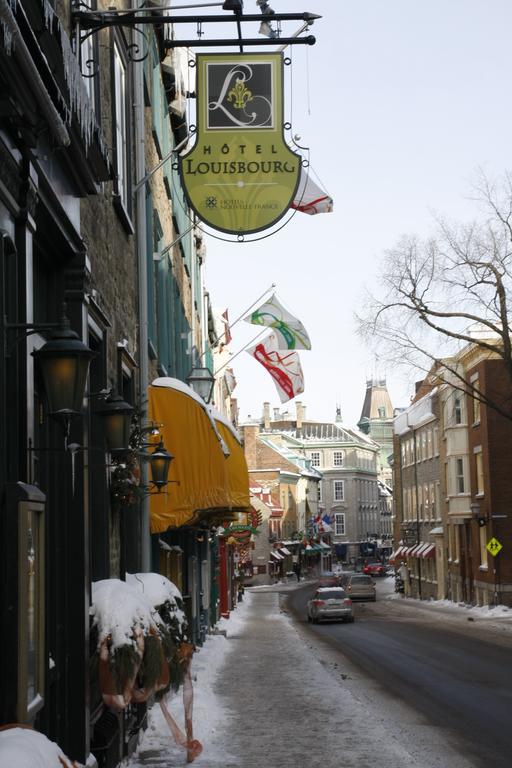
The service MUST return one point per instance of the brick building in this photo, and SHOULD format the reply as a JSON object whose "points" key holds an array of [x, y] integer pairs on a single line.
{"points": [[453, 487]]}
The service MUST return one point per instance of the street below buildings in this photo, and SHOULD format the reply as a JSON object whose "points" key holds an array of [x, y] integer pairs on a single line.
{"points": [[405, 685], [453, 673]]}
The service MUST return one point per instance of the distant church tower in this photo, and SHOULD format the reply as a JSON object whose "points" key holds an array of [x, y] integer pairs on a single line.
{"points": [[377, 422]]}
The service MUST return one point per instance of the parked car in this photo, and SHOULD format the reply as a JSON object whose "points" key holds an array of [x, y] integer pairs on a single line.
{"points": [[359, 586], [330, 603], [329, 579], [375, 569]]}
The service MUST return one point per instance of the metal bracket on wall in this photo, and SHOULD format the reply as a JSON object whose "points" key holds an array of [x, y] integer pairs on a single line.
{"points": [[87, 22]]}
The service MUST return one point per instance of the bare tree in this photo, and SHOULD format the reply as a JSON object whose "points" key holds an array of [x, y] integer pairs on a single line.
{"points": [[448, 291]]}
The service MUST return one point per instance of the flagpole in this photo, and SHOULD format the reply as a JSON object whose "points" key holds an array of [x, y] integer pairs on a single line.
{"points": [[241, 350], [219, 337]]}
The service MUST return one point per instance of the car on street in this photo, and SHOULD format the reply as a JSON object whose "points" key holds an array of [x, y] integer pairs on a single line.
{"points": [[360, 586], [330, 604], [329, 579], [375, 569]]}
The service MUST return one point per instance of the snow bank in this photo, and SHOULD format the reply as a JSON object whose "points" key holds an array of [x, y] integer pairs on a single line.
{"points": [[24, 748]]}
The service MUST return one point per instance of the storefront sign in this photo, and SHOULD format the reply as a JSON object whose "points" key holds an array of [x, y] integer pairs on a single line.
{"points": [[240, 177]]}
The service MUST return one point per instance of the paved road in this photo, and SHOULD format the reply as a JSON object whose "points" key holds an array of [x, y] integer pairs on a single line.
{"points": [[457, 676]]}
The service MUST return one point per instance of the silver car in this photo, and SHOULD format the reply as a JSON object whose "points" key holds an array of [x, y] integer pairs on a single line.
{"points": [[360, 587], [330, 603]]}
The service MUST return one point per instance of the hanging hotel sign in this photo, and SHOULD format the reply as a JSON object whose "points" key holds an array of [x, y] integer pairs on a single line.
{"points": [[240, 176]]}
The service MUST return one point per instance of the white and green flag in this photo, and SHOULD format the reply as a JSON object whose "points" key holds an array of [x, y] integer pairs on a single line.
{"points": [[290, 332]]}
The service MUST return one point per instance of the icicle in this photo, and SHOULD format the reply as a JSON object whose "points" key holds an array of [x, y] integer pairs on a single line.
{"points": [[7, 38], [73, 448], [79, 102], [48, 14]]}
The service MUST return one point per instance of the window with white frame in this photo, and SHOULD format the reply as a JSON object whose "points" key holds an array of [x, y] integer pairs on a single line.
{"points": [[315, 458], [457, 409], [479, 471], [484, 563], [426, 501], [475, 387], [319, 491], [430, 449], [339, 524], [424, 444], [436, 441], [459, 476], [338, 458], [339, 490]]}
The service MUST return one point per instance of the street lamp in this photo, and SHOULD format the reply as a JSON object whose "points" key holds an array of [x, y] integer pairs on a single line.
{"points": [[201, 380], [117, 422], [64, 364], [159, 463]]}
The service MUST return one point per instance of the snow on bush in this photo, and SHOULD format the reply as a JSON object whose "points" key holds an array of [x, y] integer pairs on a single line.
{"points": [[117, 609], [158, 590]]}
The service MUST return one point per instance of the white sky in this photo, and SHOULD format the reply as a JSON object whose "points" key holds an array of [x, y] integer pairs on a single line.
{"points": [[406, 100]]}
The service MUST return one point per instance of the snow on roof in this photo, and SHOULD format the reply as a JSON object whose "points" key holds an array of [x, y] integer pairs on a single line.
{"points": [[213, 415], [180, 386], [24, 748], [218, 416]]}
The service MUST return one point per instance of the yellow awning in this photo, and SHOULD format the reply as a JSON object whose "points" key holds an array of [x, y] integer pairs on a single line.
{"points": [[237, 474], [209, 462]]}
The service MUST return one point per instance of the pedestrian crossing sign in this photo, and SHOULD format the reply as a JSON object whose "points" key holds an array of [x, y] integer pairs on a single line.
{"points": [[494, 546]]}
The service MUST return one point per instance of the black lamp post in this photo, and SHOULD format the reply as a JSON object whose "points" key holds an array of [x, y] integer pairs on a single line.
{"points": [[201, 380], [64, 364], [117, 421], [159, 462]]}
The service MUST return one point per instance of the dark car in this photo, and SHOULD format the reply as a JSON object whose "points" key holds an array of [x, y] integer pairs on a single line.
{"points": [[375, 569], [330, 604]]}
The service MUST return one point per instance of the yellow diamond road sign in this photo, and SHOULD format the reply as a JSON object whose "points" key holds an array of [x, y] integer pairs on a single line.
{"points": [[494, 546]]}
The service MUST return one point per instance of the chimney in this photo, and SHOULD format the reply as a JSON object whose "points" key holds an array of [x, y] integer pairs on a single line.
{"points": [[266, 416], [301, 413], [250, 434]]}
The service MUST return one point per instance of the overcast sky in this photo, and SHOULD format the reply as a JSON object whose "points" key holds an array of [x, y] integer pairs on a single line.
{"points": [[399, 102]]}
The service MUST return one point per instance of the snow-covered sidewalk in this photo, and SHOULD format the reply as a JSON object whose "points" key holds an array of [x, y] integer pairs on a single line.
{"points": [[265, 697]]}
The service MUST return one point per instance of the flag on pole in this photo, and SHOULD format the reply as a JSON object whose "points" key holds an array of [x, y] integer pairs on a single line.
{"points": [[289, 331], [227, 330], [284, 367], [310, 198]]}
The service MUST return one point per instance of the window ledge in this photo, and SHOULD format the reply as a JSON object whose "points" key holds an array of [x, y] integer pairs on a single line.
{"points": [[479, 495], [484, 568]]}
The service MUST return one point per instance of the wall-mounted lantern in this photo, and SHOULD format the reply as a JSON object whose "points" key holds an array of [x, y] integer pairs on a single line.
{"points": [[117, 423], [159, 464], [202, 381]]}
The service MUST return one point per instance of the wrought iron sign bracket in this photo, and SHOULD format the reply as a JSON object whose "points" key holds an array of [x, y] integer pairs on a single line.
{"points": [[87, 22]]}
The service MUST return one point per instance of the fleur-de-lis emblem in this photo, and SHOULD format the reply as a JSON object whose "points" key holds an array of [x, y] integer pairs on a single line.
{"points": [[239, 94]]}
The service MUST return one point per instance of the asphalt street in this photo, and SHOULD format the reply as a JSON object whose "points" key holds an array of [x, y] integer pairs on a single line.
{"points": [[290, 703], [455, 675]]}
